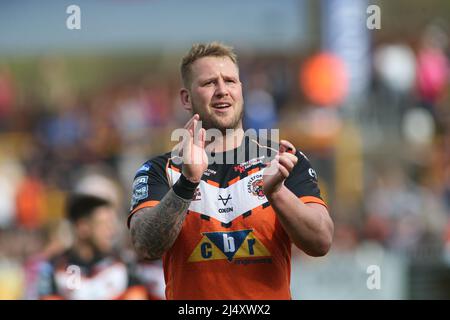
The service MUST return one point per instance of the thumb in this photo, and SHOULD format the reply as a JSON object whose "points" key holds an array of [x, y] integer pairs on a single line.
{"points": [[272, 168], [202, 138]]}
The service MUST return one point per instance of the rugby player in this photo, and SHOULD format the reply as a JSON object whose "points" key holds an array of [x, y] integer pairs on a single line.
{"points": [[224, 228]]}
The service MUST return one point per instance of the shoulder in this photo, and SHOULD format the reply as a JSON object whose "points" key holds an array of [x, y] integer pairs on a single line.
{"points": [[62, 260], [155, 164], [156, 161]]}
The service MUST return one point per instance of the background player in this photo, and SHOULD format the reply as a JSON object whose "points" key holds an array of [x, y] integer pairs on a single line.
{"points": [[91, 268]]}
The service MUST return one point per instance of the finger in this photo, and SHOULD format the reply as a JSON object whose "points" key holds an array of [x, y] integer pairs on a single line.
{"points": [[187, 147], [192, 127], [188, 124], [291, 157], [184, 140], [271, 167], [202, 138], [187, 141], [284, 172], [191, 120], [197, 129], [286, 146], [286, 162]]}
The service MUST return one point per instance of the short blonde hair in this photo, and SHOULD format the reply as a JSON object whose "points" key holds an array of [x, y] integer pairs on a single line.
{"points": [[201, 50]]}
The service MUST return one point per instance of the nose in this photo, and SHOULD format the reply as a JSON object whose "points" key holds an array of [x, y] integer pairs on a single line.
{"points": [[221, 89]]}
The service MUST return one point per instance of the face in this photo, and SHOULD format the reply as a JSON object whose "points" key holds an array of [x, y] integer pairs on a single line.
{"points": [[215, 93], [102, 226]]}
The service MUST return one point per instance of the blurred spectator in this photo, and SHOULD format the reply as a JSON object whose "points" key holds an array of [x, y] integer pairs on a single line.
{"points": [[432, 66], [394, 206], [90, 268], [7, 95], [31, 210], [260, 109], [10, 176]]}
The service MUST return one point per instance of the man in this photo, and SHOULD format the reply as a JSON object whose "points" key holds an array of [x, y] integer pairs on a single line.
{"points": [[90, 269], [224, 231]]}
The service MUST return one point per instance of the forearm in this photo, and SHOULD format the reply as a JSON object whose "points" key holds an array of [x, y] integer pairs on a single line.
{"points": [[310, 228], [154, 230]]}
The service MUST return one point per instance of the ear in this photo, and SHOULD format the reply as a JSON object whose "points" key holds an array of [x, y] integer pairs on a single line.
{"points": [[185, 97]]}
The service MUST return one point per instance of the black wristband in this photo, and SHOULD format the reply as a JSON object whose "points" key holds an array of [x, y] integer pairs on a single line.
{"points": [[184, 188]]}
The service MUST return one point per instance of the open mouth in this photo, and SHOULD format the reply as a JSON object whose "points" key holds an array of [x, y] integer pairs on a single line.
{"points": [[221, 106]]}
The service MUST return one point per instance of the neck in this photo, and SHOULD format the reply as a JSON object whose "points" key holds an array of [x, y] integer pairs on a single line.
{"points": [[84, 250], [228, 141]]}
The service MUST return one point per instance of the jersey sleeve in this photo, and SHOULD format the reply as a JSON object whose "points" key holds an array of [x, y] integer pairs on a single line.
{"points": [[150, 185], [303, 180]]}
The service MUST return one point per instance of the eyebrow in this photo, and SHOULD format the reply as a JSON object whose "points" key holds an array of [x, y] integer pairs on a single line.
{"points": [[230, 77], [208, 79], [215, 77]]}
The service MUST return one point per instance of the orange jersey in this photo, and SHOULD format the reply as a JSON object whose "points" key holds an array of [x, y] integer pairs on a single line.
{"points": [[231, 245]]}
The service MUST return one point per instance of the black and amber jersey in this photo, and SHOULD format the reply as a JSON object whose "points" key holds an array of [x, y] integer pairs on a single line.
{"points": [[231, 245], [68, 277]]}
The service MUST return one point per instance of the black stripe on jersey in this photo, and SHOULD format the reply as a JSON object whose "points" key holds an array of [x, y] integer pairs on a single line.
{"points": [[265, 204], [227, 225], [249, 212], [224, 173]]}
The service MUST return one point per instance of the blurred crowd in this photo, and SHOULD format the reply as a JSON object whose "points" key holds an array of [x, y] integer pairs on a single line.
{"points": [[384, 167]]}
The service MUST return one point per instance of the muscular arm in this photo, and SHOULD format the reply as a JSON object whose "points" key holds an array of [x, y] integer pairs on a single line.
{"points": [[154, 230], [308, 225]]}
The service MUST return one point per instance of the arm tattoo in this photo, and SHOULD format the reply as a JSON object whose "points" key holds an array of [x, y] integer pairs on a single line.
{"points": [[154, 230]]}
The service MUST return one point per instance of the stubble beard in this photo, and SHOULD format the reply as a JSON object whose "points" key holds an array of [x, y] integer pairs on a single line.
{"points": [[217, 122]]}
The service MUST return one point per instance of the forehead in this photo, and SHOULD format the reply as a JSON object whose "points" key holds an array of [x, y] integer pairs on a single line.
{"points": [[213, 66], [102, 213]]}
